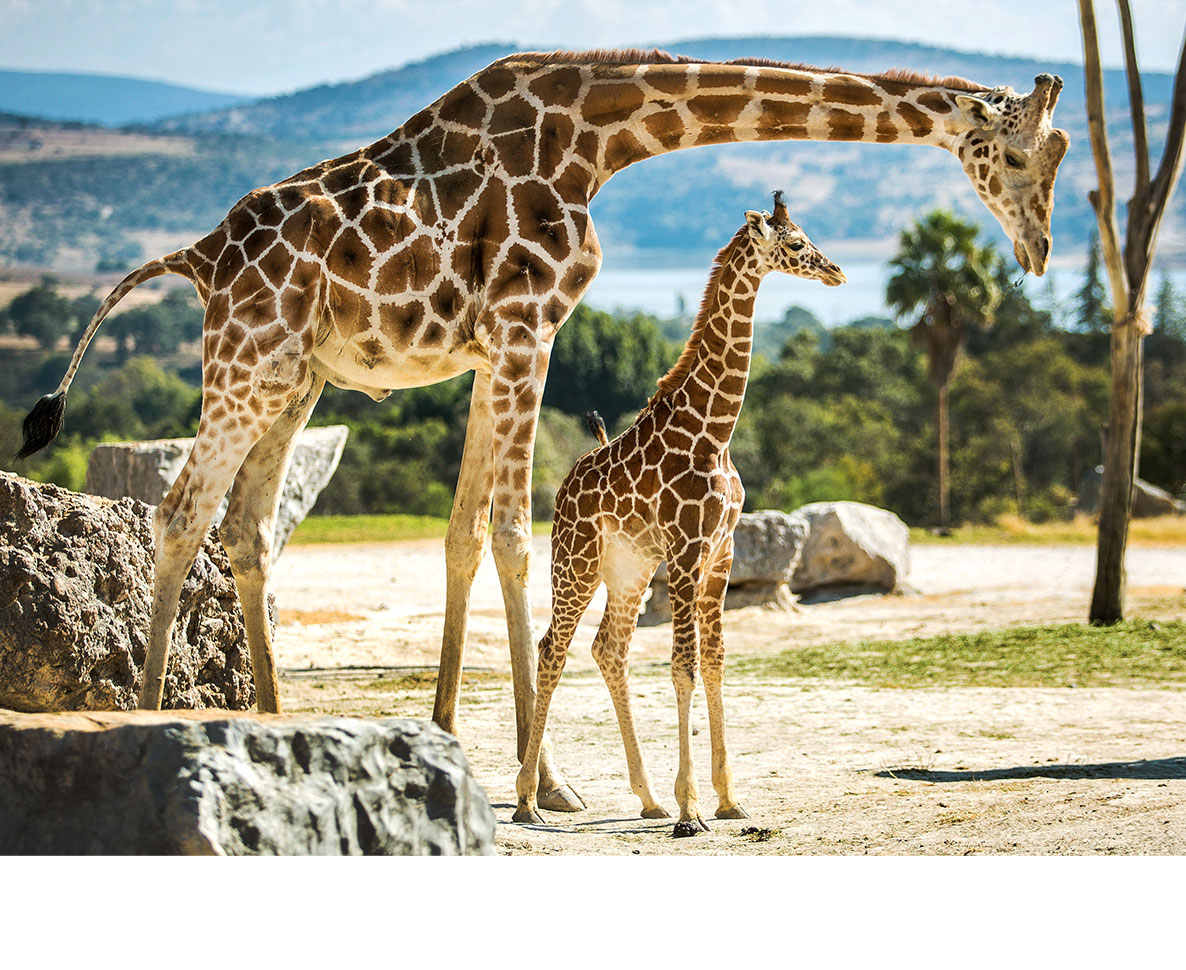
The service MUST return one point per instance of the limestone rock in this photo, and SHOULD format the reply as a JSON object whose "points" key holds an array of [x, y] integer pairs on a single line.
{"points": [[200, 783], [145, 470], [1148, 500], [850, 544], [766, 549], [75, 593]]}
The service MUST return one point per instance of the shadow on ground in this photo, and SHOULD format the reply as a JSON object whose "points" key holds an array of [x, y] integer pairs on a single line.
{"points": [[1162, 768]]}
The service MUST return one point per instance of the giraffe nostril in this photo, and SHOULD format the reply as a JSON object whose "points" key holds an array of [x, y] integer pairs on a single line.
{"points": [[1045, 247]]}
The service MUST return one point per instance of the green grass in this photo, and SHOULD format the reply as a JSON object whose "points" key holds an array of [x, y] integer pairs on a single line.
{"points": [[1134, 653], [378, 528], [1167, 530]]}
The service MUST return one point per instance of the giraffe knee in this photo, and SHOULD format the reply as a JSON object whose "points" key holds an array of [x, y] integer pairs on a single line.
{"points": [[248, 545], [512, 548]]}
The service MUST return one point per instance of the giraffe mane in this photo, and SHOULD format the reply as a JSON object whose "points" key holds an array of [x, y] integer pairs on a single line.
{"points": [[620, 58], [680, 369]]}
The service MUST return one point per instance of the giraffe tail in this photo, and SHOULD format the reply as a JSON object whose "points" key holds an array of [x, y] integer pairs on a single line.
{"points": [[597, 427], [43, 423]]}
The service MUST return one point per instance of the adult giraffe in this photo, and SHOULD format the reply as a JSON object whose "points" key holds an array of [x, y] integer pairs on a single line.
{"points": [[462, 241]]}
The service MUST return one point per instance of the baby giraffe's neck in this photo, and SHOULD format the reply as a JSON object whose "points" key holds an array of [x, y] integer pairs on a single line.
{"points": [[707, 384]]}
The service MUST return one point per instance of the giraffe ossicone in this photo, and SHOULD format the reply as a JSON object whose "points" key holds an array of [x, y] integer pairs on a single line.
{"points": [[666, 490], [462, 241]]}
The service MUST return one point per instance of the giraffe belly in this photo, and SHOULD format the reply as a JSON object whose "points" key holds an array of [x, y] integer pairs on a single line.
{"points": [[350, 366]]}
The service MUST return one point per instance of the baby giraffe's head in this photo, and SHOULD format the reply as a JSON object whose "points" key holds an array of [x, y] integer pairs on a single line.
{"points": [[783, 247]]}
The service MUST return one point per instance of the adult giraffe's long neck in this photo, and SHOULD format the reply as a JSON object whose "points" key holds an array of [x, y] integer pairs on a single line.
{"points": [[708, 381], [634, 111]]}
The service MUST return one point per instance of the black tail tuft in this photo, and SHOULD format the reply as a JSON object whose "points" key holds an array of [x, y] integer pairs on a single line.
{"points": [[42, 424], [596, 426]]}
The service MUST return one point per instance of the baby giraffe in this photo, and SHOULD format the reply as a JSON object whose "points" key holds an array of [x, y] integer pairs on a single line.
{"points": [[666, 490]]}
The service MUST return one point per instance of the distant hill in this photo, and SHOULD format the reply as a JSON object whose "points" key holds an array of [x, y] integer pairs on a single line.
{"points": [[102, 99], [69, 201]]}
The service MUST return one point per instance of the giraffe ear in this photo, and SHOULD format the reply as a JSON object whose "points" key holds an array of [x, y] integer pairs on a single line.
{"points": [[977, 112], [758, 226]]}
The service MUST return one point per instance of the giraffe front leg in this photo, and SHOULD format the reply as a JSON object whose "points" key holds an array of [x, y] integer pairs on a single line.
{"points": [[517, 387], [464, 544], [683, 587], [712, 657]]}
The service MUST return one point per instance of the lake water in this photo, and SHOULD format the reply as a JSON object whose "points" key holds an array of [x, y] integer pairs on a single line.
{"points": [[658, 289]]}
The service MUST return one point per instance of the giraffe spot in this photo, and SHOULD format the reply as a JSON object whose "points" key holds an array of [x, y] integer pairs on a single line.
{"points": [[230, 265], [558, 87], [919, 122], [411, 268], [455, 189], [353, 201], [350, 312], [623, 149], [784, 83], [211, 246], [503, 428], [778, 116], [667, 78], [514, 114], [349, 258], [715, 135], [496, 81], [398, 163], [982, 172], [270, 338], [611, 102], [936, 101], [385, 228], [345, 176], [446, 300], [556, 311], [418, 124], [886, 132], [433, 335], [248, 355], [540, 217], [845, 125], [721, 109], [666, 127], [291, 198], [522, 272], [519, 477], [556, 134], [276, 263], [296, 303], [575, 281], [994, 186], [400, 322], [575, 183], [463, 106], [312, 226], [850, 90], [480, 234]]}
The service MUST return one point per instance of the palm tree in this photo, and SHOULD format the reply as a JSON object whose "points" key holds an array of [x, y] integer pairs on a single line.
{"points": [[946, 284]]}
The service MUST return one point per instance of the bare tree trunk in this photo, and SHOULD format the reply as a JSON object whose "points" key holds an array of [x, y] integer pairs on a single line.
{"points": [[1128, 272], [944, 459]]}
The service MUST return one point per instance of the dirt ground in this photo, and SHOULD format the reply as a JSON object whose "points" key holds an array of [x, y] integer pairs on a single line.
{"points": [[822, 768]]}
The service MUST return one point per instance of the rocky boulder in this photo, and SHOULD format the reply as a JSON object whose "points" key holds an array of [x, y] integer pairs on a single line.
{"points": [[1148, 501], [145, 470], [766, 550], [75, 593], [199, 783], [853, 546]]}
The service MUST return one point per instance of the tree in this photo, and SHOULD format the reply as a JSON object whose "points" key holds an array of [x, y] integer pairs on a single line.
{"points": [[42, 313], [950, 283], [1092, 313], [1128, 273]]}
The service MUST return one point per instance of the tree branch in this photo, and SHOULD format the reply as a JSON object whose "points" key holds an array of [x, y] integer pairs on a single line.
{"points": [[1104, 199], [1170, 168], [1136, 103]]}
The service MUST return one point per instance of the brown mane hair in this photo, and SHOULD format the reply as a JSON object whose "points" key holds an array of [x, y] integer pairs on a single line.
{"points": [[680, 369], [621, 58]]}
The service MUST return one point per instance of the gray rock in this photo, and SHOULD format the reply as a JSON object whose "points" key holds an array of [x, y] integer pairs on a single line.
{"points": [[850, 544], [145, 470], [75, 593], [1148, 500], [766, 549], [216, 784]]}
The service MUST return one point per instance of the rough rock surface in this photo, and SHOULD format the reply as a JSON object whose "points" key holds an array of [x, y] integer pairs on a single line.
{"points": [[200, 783], [850, 544], [75, 593], [1148, 500], [145, 470], [766, 549]]}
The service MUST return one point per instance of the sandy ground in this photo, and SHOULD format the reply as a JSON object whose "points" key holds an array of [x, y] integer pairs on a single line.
{"points": [[822, 768]]}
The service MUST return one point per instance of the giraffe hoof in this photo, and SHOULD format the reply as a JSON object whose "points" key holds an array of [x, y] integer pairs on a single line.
{"points": [[657, 812], [693, 826], [735, 812], [527, 816], [561, 799]]}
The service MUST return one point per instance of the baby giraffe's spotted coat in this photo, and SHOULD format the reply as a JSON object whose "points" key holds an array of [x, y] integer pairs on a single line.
{"points": [[667, 490]]}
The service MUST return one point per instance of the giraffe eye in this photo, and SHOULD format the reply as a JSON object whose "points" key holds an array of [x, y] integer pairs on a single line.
{"points": [[1013, 160], [796, 245]]}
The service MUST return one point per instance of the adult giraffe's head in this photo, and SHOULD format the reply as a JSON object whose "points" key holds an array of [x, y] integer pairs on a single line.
{"points": [[1011, 152]]}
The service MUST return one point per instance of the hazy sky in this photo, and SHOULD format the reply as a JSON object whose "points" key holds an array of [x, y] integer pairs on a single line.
{"points": [[271, 46]]}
